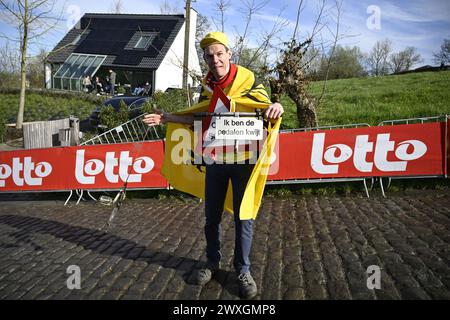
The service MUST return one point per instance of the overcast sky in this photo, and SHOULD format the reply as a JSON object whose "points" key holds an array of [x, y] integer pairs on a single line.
{"points": [[418, 23]]}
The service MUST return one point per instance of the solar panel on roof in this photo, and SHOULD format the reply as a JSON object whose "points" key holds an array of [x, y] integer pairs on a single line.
{"points": [[112, 36], [130, 59]]}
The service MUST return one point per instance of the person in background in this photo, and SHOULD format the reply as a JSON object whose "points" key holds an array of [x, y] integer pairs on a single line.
{"points": [[146, 89], [98, 85], [137, 91], [112, 81], [87, 84]]}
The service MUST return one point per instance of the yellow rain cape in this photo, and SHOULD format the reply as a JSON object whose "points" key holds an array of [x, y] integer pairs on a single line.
{"points": [[188, 177]]}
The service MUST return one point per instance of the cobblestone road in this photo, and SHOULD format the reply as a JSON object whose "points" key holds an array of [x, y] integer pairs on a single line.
{"points": [[313, 247]]}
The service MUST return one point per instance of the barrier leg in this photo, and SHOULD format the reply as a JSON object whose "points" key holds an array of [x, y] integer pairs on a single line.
{"points": [[389, 183], [81, 196], [70, 196], [365, 187], [91, 196], [382, 188]]}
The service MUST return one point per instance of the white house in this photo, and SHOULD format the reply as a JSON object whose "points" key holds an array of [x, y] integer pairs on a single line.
{"points": [[140, 48]]}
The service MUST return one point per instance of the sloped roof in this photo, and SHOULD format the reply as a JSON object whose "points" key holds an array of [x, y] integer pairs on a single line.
{"points": [[116, 35]]}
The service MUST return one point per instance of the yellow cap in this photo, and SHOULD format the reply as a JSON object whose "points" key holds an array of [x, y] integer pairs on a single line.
{"points": [[214, 37]]}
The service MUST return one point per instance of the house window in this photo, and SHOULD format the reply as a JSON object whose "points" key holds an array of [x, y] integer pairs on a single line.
{"points": [[143, 42], [70, 74]]}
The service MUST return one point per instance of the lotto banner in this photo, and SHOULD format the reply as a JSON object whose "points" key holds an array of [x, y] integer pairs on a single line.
{"points": [[401, 150], [448, 148], [87, 167]]}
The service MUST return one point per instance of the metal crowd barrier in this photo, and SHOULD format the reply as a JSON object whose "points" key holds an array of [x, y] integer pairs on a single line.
{"points": [[343, 126], [420, 120], [133, 130]]}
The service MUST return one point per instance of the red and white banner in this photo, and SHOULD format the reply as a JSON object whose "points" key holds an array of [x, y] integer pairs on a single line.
{"points": [[448, 148], [401, 150], [87, 167]]}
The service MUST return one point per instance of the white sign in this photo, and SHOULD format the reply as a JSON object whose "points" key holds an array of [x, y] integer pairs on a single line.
{"points": [[234, 128], [210, 140]]}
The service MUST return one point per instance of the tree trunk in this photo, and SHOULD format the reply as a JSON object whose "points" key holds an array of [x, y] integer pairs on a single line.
{"points": [[306, 112], [23, 79], [23, 70]]}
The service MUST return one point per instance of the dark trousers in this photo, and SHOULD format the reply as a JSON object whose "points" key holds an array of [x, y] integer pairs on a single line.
{"points": [[217, 179]]}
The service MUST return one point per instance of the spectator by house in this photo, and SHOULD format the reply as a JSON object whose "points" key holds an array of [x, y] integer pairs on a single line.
{"points": [[87, 84], [138, 89], [147, 89], [112, 81], [98, 85]]}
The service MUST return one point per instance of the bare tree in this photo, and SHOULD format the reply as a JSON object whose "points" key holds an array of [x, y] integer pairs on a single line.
{"points": [[253, 57], [169, 7], [251, 7], [347, 62], [222, 6], [9, 66], [9, 59], [336, 37], [203, 27], [116, 6], [35, 69], [32, 19], [404, 60], [378, 59], [242, 53], [312, 60], [396, 61], [290, 73], [297, 21], [443, 56]]}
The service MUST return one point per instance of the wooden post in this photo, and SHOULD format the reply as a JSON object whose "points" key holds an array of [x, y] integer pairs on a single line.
{"points": [[187, 26]]}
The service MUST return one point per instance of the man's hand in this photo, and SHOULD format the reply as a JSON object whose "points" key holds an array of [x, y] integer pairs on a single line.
{"points": [[156, 118], [274, 111]]}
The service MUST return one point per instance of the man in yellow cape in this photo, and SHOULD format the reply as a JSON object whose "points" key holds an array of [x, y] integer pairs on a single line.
{"points": [[234, 187]]}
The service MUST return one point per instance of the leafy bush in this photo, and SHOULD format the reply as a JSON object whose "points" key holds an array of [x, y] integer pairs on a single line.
{"points": [[110, 118], [170, 101], [107, 116], [122, 115], [121, 90], [2, 127]]}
